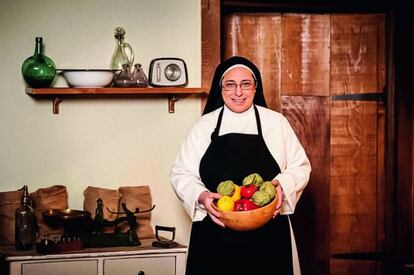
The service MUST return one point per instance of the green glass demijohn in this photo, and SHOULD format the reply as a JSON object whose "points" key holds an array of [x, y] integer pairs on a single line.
{"points": [[39, 71]]}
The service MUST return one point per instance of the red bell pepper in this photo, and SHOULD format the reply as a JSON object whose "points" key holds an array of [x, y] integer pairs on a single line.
{"points": [[247, 191], [244, 205]]}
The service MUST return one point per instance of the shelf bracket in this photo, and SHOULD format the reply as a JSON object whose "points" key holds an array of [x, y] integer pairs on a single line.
{"points": [[56, 101], [171, 103]]}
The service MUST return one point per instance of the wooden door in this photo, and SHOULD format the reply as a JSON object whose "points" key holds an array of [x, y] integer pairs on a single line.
{"points": [[325, 72]]}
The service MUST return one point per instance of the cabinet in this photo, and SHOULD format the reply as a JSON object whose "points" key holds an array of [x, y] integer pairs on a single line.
{"points": [[57, 94], [142, 260]]}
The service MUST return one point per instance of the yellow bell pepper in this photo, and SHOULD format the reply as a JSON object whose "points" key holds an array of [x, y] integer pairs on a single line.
{"points": [[236, 194], [225, 203]]}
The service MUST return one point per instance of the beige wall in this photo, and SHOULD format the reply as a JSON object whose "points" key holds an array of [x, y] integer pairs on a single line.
{"points": [[97, 142]]}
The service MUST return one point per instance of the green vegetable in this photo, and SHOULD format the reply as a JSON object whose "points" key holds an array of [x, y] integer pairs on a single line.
{"points": [[226, 188], [254, 178], [261, 198], [269, 188]]}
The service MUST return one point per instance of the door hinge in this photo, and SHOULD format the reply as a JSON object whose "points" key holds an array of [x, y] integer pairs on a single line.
{"points": [[362, 256], [374, 96]]}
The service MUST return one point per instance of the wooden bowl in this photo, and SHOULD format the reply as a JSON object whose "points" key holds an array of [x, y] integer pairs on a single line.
{"points": [[248, 220]]}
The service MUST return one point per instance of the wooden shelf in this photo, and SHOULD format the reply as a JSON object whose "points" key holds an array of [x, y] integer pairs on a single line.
{"points": [[58, 93]]}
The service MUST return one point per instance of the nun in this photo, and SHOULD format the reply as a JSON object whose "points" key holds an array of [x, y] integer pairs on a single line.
{"points": [[238, 135]]}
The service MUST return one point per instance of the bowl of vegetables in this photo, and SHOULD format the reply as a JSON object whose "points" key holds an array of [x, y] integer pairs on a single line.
{"points": [[246, 207]]}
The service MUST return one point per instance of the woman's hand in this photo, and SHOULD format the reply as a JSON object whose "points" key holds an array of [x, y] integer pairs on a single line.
{"points": [[279, 194], [207, 199]]}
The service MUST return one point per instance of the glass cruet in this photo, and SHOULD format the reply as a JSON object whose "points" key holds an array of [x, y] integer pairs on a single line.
{"points": [[123, 53], [138, 76], [124, 78], [38, 70]]}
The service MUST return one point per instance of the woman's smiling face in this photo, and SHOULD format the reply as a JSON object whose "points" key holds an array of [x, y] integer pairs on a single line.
{"points": [[238, 89]]}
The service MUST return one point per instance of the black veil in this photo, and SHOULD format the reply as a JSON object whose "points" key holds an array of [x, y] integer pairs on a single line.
{"points": [[215, 99]]}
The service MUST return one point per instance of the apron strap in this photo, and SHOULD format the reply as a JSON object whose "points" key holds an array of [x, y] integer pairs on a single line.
{"points": [[216, 131], [259, 125]]}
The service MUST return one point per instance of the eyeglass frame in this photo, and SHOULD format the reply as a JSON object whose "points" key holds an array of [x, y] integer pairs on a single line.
{"points": [[254, 84]]}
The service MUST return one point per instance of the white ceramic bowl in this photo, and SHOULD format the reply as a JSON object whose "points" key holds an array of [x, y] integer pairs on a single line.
{"points": [[88, 78]]}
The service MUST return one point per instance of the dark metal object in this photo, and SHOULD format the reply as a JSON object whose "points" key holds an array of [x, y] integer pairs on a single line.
{"points": [[47, 246], [97, 238], [162, 242], [377, 96], [364, 256], [79, 225], [61, 217]]}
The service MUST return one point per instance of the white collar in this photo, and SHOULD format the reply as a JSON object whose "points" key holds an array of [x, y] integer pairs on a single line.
{"points": [[246, 113]]}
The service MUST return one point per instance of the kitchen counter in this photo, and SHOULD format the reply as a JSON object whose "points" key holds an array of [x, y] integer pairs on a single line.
{"points": [[104, 260]]}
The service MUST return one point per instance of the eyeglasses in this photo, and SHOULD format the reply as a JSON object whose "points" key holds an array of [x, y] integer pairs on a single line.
{"points": [[232, 86]]}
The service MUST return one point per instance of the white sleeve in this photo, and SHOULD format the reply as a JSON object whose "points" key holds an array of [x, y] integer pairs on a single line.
{"points": [[295, 168], [184, 174]]}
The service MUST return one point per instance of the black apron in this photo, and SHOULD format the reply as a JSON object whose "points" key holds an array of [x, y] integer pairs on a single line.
{"points": [[216, 250]]}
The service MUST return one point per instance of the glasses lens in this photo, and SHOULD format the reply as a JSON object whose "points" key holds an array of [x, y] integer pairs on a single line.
{"points": [[231, 86], [246, 85]]}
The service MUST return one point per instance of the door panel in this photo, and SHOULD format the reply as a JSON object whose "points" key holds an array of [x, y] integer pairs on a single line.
{"points": [[357, 67], [352, 267], [306, 60], [310, 117], [305, 54], [257, 37], [353, 177], [354, 55]]}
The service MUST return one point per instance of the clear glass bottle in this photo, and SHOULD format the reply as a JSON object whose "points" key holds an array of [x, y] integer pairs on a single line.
{"points": [[38, 70], [138, 76], [124, 78], [25, 223], [123, 53]]}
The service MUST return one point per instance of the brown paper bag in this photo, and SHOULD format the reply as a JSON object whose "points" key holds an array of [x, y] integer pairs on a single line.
{"points": [[9, 202], [110, 199], [53, 197], [138, 197]]}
